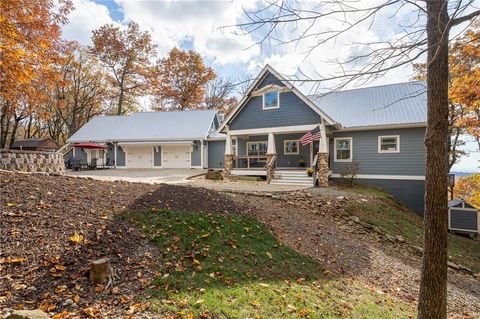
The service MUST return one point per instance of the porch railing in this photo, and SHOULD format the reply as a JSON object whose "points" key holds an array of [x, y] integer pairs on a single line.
{"points": [[315, 170], [251, 162]]}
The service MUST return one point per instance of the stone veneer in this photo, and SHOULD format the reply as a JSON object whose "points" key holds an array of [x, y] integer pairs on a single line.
{"points": [[32, 161], [322, 166]]}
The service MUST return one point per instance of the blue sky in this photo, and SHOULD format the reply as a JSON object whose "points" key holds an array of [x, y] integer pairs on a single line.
{"points": [[198, 25]]}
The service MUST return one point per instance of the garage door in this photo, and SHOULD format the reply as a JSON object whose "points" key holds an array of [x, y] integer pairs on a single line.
{"points": [[139, 156], [176, 156]]}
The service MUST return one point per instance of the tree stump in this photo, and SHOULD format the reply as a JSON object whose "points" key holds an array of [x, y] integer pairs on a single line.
{"points": [[101, 272]]}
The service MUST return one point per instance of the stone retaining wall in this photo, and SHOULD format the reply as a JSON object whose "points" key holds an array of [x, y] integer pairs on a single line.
{"points": [[31, 161]]}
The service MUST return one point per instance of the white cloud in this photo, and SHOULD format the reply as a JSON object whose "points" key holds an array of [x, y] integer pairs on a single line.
{"points": [[198, 22], [86, 17]]}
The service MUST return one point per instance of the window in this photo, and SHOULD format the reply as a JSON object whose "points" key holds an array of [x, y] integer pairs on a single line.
{"points": [[271, 100], [290, 147], [343, 149], [389, 144], [256, 148]]}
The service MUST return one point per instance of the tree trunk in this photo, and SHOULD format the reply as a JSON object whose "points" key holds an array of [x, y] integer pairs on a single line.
{"points": [[432, 302]]}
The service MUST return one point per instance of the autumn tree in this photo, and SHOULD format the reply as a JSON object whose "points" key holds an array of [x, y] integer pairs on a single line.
{"points": [[127, 54], [468, 188], [220, 96], [290, 22], [181, 81], [30, 46], [84, 92], [465, 80]]}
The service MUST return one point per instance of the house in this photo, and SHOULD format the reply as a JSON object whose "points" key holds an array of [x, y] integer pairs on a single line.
{"points": [[148, 139], [377, 132], [379, 129], [36, 144]]}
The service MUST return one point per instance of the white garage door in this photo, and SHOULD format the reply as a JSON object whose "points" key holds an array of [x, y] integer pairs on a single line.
{"points": [[139, 156], [176, 156]]}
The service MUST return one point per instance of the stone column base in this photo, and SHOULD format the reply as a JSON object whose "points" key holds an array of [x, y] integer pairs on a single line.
{"points": [[270, 170], [228, 163], [322, 166]]}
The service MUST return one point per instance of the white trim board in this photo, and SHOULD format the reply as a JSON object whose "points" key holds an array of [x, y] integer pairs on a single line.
{"points": [[278, 129], [391, 177], [381, 127]]}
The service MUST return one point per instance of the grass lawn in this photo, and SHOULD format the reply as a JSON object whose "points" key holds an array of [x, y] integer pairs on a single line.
{"points": [[383, 211], [232, 267]]}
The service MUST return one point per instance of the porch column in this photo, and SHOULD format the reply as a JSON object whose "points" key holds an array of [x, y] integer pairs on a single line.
{"points": [[271, 152], [228, 157], [322, 162], [202, 153], [115, 155]]}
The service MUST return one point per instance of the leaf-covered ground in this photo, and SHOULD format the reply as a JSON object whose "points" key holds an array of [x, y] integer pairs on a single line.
{"points": [[213, 254], [230, 266]]}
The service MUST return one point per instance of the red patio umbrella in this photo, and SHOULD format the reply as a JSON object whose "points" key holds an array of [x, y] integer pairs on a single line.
{"points": [[90, 145]]}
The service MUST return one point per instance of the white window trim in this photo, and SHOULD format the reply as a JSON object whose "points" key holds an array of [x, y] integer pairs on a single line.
{"points": [[285, 147], [388, 136], [263, 101], [335, 149], [254, 142]]}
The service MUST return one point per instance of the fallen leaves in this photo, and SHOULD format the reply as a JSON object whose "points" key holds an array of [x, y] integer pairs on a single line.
{"points": [[269, 254], [76, 238], [10, 260]]}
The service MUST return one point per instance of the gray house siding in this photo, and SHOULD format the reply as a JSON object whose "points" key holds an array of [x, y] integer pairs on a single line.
{"points": [[410, 161], [292, 111], [157, 156], [464, 219], [120, 156], [216, 151], [196, 156], [269, 79]]}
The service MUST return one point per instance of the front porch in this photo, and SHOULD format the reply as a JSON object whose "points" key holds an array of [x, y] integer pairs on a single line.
{"points": [[262, 152]]}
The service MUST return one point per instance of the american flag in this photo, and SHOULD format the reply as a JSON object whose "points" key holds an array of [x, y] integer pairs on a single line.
{"points": [[310, 136]]}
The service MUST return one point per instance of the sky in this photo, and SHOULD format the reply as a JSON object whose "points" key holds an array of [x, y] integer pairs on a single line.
{"points": [[200, 25]]}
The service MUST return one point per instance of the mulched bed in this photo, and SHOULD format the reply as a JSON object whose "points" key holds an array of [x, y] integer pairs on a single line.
{"points": [[40, 266]]}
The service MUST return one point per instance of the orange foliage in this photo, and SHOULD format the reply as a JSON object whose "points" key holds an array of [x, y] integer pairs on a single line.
{"points": [[465, 79], [181, 81], [127, 55], [30, 42], [468, 188]]}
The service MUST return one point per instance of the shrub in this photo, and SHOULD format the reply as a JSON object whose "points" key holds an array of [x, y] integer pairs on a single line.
{"points": [[214, 175], [349, 172]]}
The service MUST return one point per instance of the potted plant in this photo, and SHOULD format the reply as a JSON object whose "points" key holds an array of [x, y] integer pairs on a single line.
{"points": [[301, 162], [310, 171]]}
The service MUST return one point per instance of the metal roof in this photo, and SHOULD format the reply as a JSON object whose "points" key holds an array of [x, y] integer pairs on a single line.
{"points": [[147, 126], [31, 142], [400, 103]]}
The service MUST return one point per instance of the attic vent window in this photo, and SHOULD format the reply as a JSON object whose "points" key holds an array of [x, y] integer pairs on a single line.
{"points": [[271, 100]]}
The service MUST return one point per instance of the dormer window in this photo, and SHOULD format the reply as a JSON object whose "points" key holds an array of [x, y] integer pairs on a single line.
{"points": [[271, 100]]}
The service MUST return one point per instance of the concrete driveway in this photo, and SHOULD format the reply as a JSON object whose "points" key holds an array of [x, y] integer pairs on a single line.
{"points": [[149, 176]]}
